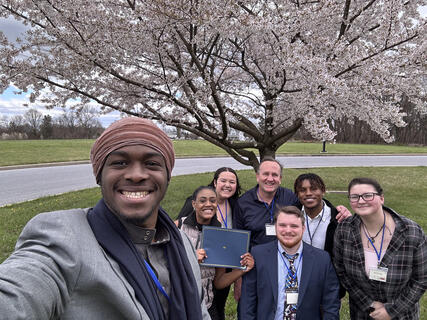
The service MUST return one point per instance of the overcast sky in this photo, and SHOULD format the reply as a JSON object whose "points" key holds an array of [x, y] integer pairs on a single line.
{"points": [[12, 104]]}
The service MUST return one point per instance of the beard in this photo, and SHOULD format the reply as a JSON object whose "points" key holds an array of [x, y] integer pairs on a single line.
{"points": [[138, 221], [135, 220], [290, 243]]}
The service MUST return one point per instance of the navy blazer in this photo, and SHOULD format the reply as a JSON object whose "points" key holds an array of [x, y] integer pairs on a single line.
{"points": [[318, 296]]}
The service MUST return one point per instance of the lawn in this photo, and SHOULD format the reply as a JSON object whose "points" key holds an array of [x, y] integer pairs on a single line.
{"points": [[405, 191], [17, 152]]}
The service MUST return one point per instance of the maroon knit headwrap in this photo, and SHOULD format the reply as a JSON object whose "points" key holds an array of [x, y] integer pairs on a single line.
{"points": [[131, 131]]}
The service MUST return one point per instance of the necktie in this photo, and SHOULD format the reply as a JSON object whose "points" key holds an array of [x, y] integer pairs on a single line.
{"points": [[291, 285]]}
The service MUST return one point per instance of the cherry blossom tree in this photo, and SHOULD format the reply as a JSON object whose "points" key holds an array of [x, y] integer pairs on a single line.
{"points": [[259, 68]]}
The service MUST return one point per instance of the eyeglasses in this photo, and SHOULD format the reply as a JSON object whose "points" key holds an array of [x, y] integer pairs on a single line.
{"points": [[369, 196]]}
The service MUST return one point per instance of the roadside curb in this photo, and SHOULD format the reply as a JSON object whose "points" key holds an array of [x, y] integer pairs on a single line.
{"points": [[47, 164], [70, 163]]}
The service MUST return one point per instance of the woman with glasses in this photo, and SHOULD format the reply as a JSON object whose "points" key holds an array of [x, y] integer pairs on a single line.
{"points": [[380, 257]]}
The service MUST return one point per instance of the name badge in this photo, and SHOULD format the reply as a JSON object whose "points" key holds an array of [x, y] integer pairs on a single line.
{"points": [[378, 274], [270, 230], [291, 297]]}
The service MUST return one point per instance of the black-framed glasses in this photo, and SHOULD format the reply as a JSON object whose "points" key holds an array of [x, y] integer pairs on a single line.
{"points": [[369, 196]]}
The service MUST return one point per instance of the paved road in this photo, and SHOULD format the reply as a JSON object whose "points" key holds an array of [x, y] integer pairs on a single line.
{"points": [[32, 183]]}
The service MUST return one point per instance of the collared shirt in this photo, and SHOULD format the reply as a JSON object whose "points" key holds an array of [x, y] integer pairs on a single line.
{"points": [[153, 253], [282, 271], [252, 214], [317, 227]]}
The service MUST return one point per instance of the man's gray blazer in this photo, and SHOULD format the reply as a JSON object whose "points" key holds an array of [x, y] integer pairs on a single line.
{"points": [[59, 271]]}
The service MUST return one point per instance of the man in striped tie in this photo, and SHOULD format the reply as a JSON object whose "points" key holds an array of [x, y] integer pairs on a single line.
{"points": [[291, 279]]}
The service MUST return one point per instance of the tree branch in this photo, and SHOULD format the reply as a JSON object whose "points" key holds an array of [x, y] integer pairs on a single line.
{"points": [[344, 18], [356, 65]]}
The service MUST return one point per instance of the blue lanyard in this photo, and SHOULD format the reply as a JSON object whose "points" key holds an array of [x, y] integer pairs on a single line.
{"points": [[266, 206], [289, 270], [156, 281], [226, 215], [382, 241], [308, 226]]}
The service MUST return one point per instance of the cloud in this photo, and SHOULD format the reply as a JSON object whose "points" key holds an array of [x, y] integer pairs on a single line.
{"points": [[12, 28], [12, 105], [18, 106]]}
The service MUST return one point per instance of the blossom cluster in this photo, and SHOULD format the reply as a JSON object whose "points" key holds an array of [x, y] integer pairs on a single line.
{"points": [[263, 68]]}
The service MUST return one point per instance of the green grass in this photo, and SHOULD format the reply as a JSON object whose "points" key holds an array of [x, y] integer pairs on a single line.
{"points": [[405, 191], [347, 148], [17, 152]]}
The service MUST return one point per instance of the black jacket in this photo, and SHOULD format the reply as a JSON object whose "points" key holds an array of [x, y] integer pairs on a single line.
{"points": [[329, 240]]}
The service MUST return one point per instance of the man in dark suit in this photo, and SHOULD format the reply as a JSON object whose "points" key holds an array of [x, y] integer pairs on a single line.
{"points": [[266, 291]]}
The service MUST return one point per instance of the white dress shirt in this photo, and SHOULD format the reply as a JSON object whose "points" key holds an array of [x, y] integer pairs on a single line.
{"points": [[317, 227]]}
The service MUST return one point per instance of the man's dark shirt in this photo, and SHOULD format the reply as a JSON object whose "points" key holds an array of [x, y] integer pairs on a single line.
{"points": [[252, 214]]}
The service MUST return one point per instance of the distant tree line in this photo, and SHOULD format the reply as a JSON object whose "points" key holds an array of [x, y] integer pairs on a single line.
{"points": [[84, 124], [415, 132], [69, 125]]}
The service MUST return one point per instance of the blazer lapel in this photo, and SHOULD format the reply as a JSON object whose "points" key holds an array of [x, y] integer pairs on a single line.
{"points": [[272, 268], [307, 268]]}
